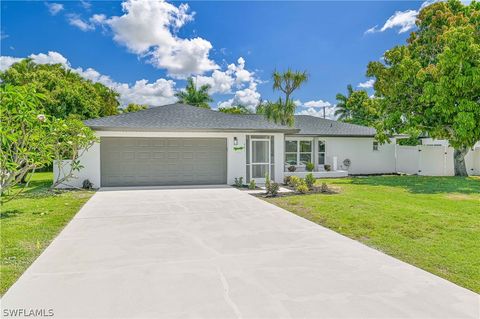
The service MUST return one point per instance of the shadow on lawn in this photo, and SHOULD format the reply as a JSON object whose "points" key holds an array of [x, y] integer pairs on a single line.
{"points": [[424, 184]]}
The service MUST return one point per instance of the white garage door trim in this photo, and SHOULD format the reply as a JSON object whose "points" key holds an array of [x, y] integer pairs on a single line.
{"points": [[155, 161]]}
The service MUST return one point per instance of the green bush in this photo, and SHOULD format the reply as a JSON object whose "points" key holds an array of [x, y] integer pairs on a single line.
{"points": [[252, 184], [239, 181], [310, 166], [309, 180], [302, 187], [286, 180], [294, 181], [273, 189]]}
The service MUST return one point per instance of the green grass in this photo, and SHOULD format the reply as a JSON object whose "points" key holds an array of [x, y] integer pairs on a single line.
{"points": [[430, 222], [30, 222]]}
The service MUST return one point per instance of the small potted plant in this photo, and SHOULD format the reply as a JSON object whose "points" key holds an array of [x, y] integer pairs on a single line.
{"points": [[309, 166], [327, 167]]}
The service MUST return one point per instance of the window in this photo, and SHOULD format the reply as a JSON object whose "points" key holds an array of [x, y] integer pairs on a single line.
{"points": [[375, 145], [305, 152], [298, 152], [321, 152], [291, 152]]}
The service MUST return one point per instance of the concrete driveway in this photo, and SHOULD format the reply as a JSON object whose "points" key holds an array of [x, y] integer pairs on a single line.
{"points": [[220, 253]]}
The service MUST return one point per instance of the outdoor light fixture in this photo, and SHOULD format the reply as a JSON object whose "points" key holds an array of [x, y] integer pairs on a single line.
{"points": [[235, 141]]}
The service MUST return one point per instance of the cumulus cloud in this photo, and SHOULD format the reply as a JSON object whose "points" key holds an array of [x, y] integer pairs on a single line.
{"points": [[318, 103], [403, 20], [160, 92], [76, 21], [235, 76], [329, 112], [149, 29], [248, 97], [367, 84], [54, 8]]}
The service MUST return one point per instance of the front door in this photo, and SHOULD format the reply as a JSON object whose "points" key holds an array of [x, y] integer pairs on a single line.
{"points": [[259, 159]]}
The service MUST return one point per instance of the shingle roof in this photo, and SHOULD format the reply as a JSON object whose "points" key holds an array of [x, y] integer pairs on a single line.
{"points": [[181, 117], [178, 117], [311, 125]]}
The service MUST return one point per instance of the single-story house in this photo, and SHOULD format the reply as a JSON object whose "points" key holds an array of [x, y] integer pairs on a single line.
{"points": [[180, 144]]}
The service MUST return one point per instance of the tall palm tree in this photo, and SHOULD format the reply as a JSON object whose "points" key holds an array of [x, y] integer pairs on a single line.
{"points": [[195, 96], [283, 111], [342, 111]]}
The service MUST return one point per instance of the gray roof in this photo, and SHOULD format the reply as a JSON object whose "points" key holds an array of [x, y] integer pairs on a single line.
{"points": [[181, 117], [311, 125]]}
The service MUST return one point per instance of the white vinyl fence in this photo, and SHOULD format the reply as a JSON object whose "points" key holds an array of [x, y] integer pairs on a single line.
{"points": [[433, 160]]}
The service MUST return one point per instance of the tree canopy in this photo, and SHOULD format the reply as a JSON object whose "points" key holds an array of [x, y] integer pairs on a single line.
{"points": [[132, 107], [283, 110], [356, 107], [432, 84], [239, 109], [65, 92], [195, 96]]}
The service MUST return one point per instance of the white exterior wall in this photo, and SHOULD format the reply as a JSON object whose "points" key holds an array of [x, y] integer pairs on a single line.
{"points": [[364, 160], [435, 159], [236, 160]]}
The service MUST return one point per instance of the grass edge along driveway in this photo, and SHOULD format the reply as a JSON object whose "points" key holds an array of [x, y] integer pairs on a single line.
{"points": [[430, 222], [30, 222]]}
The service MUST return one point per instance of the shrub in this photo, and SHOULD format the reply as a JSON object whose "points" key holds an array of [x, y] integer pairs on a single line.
{"points": [[286, 180], [252, 184], [239, 181], [302, 188], [310, 166], [267, 182], [273, 189], [327, 167], [292, 168], [294, 181], [324, 188], [309, 180]]}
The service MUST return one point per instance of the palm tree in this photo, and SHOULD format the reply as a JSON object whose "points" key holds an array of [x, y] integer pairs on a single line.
{"points": [[283, 111], [342, 111], [195, 96]]}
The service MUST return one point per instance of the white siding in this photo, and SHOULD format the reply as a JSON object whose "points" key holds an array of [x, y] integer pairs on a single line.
{"points": [[359, 150], [236, 160]]}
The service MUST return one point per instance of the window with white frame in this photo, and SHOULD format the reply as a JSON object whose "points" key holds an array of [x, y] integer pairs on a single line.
{"points": [[298, 152], [321, 152]]}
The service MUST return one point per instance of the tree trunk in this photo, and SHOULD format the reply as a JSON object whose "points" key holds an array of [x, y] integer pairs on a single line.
{"points": [[459, 161]]}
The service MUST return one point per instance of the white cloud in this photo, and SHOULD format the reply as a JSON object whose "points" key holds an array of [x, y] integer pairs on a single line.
{"points": [[51, 57], [85, 4], [329, 112], [160, 92], [223, 81], [76, 21], [54, 8], [318, 103], [7, 61], [149, 29], [367, 84], [248, 97]]}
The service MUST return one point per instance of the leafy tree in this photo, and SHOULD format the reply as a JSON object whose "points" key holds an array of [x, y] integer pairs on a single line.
{"points": [[283, 110], [132, 107], [24, 134], [66, 93], [70, 139], [195, 96], [239, 109], [356, 108], [432, 84]]}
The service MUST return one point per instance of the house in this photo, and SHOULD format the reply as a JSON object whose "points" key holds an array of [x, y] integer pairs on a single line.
{"points": [[180, 145]]}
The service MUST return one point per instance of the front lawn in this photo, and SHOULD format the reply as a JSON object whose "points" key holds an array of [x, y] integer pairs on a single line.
{"points": [[430, 222], [30, 222]]}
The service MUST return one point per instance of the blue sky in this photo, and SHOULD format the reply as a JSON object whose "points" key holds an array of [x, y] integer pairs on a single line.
{"points": [[145, 50]]}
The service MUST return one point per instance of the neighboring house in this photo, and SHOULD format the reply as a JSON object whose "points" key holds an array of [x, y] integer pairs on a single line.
{"points": [[184, 145]]}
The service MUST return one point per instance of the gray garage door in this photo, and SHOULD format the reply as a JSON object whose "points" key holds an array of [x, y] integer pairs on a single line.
{"points": [[127, 161]]}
